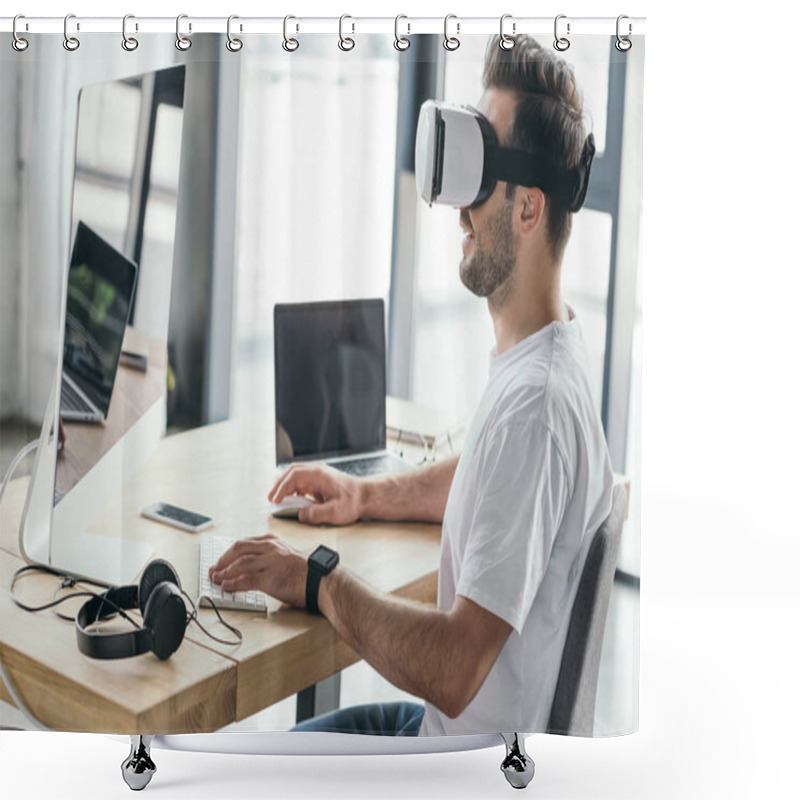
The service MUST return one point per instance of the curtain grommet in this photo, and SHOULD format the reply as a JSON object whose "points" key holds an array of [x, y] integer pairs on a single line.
{"points": [[451, 43], [289, 43], [71, 43]]}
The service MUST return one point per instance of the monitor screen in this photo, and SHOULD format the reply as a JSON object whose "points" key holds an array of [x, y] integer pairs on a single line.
{"points": [[99, 292], [330, 379]]}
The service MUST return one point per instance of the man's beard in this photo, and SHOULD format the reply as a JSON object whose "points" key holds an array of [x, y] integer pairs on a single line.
{"points": [[491, 263]]}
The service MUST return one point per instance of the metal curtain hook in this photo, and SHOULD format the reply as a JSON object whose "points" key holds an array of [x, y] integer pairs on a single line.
{"points": [[182, 42], [18, 43], [233, 44], [289, 44], [345, 42], [128, 42], [451, 42], [623, 44], [70, 42], [400, 42], [561, 43], [507, 42]]}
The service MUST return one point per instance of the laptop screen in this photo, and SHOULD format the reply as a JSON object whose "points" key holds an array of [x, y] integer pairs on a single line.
{"points": [[99, 290], [330, 379]]}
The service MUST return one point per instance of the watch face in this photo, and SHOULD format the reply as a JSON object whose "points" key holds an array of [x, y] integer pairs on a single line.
{"points": [[326, 558]]}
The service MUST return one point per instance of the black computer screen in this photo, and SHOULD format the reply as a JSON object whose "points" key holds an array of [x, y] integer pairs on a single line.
{"points": [[99, 290], [330, 378]]}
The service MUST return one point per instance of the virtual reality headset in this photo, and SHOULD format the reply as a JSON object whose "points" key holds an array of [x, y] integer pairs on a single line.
{"points": [[459, 161]]}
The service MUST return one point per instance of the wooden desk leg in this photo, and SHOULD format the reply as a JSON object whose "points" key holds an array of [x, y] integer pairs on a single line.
{"points": [[518, 766], [138, 768], [319, 698]]}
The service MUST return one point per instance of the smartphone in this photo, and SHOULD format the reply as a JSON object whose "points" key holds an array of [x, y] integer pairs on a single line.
{"points": [[177, 517]]}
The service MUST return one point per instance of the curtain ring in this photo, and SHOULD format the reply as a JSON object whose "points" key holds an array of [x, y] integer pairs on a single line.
{"points": [[18, 43], [233, 44], [561, 43], [400, 42], [451, 42], [507, 42], [289, 44], [623, 44], [128, 42], [345, 42], [182, 42], [70, 42]]}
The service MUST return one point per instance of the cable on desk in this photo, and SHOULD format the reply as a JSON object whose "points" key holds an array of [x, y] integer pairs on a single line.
{"points": [[31, 719], [15, 463]]}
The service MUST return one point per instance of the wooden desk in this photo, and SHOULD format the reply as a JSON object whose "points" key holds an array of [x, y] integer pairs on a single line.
{"points": [[194, 690], [223, 470]]}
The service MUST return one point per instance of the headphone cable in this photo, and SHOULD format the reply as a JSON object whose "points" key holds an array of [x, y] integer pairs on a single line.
{"points": [[193, 618]]}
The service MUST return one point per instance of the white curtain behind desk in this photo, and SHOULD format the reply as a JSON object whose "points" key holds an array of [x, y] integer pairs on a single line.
{"points": [[316, 182]]}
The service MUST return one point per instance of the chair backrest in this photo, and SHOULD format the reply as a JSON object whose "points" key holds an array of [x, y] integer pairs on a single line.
{"points": [[572, 711]]}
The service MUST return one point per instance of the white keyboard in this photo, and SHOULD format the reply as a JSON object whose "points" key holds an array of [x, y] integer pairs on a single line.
{"points": [[211, 548]]}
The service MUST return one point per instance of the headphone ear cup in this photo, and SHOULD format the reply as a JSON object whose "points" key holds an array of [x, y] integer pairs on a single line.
{"points": [[157, 571], [165, 618]]}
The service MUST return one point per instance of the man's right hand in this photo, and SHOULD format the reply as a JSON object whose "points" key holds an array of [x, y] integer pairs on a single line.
{"points": [[339, 497]]}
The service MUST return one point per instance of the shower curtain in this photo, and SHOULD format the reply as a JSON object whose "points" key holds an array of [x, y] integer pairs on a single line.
{"points": [[273, 162]]}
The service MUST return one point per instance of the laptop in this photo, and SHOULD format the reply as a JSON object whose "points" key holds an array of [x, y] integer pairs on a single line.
{"points": [[330, 386], [99, 292]]}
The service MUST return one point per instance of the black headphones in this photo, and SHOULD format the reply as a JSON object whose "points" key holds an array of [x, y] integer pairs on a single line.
{"points": [[158, 596]]}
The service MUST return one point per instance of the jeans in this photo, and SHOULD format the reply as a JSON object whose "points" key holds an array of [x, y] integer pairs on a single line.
{"points": [[378, 719]]}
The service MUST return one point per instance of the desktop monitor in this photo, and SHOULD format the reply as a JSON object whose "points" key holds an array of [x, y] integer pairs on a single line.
{"points": [[113, 327]]}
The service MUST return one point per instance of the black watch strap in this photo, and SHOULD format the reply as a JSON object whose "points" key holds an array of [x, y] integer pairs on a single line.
{"points": [[320, 563]]}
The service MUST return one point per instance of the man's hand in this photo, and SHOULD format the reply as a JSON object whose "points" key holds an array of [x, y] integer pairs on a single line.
{"points": [[339, 497], [266, 563], [418, 495]]}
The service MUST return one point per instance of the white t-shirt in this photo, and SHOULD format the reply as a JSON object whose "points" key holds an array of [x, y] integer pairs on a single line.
{"points": [[533, 484]]}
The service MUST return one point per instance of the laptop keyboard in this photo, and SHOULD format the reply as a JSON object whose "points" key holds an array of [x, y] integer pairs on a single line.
{"points": [[362, 467], [71, 400]]}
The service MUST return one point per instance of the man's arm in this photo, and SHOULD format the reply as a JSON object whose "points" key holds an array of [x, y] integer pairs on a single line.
{"points": [[441, 656], [418, 495]]}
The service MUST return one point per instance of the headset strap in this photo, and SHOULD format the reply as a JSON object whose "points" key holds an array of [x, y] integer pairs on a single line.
{"points": [[533, 169]]}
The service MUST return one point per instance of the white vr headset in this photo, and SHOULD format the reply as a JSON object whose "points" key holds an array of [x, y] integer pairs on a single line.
{"points": [[459, 161]]}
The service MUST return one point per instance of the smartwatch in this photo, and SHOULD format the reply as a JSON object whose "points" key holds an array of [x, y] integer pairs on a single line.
{"points": [[321, 562]]}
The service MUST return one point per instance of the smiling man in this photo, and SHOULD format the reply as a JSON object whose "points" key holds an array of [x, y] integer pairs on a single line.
{"points": [[519, 506]]}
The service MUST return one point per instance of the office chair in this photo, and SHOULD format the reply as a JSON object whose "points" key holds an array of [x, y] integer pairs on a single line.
{"points": [[572, 711]]}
